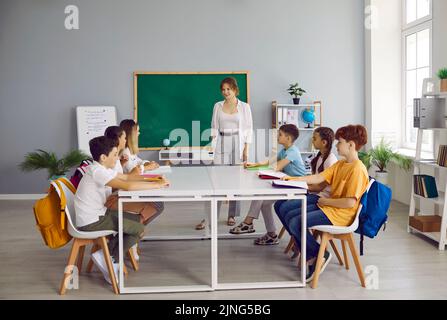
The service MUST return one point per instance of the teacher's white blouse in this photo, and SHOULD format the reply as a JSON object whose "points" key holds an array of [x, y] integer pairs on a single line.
{"points": [[245, 124]]}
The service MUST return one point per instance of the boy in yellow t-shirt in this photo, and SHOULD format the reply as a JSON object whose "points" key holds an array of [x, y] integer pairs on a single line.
{"points": [[348, 180]]}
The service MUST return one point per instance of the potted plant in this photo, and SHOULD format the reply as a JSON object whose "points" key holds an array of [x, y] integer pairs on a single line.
{"points": [[442, 74], [296, 92], [380, 156], [41, 159]]}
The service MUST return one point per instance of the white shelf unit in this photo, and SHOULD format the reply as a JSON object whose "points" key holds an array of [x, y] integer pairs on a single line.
{"points": [[316, 106], [439, 237]]}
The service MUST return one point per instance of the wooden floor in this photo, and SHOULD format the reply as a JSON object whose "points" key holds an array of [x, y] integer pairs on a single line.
{"points": [[410, 267]]}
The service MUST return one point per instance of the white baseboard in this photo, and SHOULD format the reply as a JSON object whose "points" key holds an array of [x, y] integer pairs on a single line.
{"points": [[20, 196]]}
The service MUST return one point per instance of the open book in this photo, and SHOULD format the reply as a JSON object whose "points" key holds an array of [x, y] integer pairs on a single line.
{"points": [[159, 170], [271, 174], [290, 184]]}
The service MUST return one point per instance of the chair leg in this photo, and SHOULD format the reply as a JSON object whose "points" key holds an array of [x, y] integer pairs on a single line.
{"points": [[138, 249], [289, 246], [90, 264], [126, 273], [133, 261], [356, 258], [281, 233], [323, 245], [80, 258], [108, 259], [345, 254], [334, 247], [69, 268]]}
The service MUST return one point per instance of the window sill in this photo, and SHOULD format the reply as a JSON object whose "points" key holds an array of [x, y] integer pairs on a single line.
{"points": [[411, 153]]}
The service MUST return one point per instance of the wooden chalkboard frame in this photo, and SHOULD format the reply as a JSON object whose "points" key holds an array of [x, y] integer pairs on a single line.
{"points": [[135, 91]]}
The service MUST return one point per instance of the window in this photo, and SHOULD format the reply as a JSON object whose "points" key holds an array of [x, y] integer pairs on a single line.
{"points": [[417, 11], [417, 65]]}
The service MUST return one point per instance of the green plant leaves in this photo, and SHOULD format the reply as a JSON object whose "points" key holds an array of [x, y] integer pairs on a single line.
{"points": [[295, 90], [442, 74], [41, 159], [381, 155]]}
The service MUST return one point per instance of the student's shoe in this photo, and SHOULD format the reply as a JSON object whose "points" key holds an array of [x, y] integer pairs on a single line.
{"points": [[242, 228], [201, 225], [311, 270], [267, 240], [100, 262], [135, 252]]}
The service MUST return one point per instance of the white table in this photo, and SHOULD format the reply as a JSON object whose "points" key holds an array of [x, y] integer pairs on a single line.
{"points": [[213, 184]]}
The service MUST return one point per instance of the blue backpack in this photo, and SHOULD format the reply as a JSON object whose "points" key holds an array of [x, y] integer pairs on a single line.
{"points": [[373, 215]]}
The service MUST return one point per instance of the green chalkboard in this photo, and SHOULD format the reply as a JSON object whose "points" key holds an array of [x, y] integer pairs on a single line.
{"points": [[179, 101]]}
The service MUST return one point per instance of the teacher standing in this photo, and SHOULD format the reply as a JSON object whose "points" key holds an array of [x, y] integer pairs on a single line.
{"points": [[232, 131]]}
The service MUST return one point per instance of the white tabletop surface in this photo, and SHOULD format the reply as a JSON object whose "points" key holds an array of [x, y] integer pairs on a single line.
{"points": [[184, 181], [237, 180], [214, 180]]}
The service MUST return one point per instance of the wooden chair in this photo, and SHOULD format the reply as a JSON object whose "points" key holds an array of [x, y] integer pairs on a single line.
{"points": [[316, 235], [81, 239], [345, 234]]}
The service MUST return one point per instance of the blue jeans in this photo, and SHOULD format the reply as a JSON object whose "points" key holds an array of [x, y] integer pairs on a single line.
{"points": [[286, 209], [314, 218]]}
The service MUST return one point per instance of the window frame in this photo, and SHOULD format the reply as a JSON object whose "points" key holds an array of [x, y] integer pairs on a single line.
{"points": [[407, 30], [416, 22]]}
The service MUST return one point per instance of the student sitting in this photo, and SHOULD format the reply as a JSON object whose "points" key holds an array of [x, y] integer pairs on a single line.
{"points": [[147, 210], [322, 141], [348, 180], [90, 198], [130, 153], [288, 160]]}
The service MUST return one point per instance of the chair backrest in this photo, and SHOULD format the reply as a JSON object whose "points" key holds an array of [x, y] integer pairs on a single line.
{"points": [[355, 224], [69, 207]]}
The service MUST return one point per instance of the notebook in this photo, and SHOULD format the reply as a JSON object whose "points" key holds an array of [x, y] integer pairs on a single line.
{"points": [[289, 184], [271, 174]]}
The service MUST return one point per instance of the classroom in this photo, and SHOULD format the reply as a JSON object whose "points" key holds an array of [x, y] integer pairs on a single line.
{"points": [[223, 150]]}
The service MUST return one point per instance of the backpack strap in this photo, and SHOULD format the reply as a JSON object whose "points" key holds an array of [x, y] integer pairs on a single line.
{"points": [[68, 185], [63, 203]]}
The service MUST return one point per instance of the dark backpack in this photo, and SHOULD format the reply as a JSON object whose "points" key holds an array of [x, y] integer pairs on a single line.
{"points": [[79, 172], [375, 205]]}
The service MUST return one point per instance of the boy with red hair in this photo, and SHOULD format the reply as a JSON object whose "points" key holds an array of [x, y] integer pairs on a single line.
{"points": [[348, 179]]}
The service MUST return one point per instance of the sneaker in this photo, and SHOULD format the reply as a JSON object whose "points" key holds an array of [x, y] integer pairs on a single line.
{"points": [[242, 228], [135, 252], [311, 271], [100, 262], [267, 240]]}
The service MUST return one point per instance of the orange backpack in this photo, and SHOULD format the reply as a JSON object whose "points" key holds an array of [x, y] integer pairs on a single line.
{"points": [[50, 216]]}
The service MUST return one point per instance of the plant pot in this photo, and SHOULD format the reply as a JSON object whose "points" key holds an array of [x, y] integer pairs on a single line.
{"points": [[296, 100], [443, 85], [382, 177]]}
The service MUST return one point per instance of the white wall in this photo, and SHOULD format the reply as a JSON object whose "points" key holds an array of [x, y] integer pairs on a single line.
{"points": [[45, 70]]}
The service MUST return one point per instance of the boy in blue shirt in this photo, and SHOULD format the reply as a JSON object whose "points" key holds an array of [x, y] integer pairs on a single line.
{"points": [[288, 161]]}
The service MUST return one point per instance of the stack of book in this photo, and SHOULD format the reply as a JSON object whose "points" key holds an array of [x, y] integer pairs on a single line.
{"points": [[425, 186], [442, 156]]}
